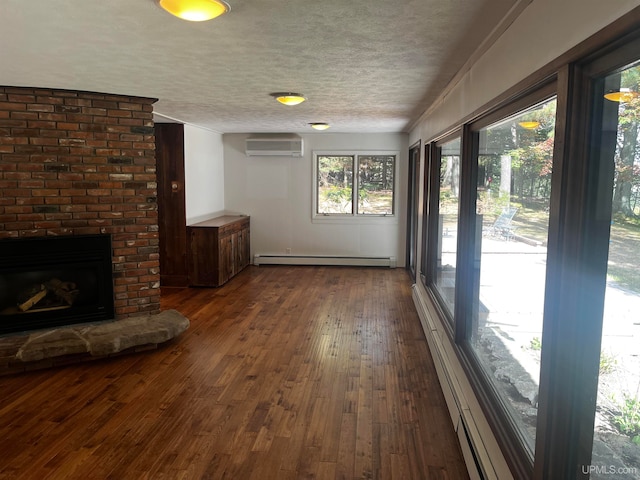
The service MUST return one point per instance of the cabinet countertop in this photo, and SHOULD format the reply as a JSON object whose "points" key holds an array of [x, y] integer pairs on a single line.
{"points": [[220, 221]]}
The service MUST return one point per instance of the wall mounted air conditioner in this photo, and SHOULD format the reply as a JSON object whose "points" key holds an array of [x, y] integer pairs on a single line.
{"points": [[274, 144]]}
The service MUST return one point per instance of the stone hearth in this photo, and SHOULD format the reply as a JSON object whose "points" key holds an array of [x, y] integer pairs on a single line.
{"points": [[60, 346]]}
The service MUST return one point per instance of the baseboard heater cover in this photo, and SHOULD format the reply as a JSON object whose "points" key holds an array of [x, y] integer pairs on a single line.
{"points": [[331, 260], [477, 459]]}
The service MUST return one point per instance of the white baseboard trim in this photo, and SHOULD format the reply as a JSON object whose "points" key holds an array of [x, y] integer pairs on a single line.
{"points": [[482, 456], [333, 260]]}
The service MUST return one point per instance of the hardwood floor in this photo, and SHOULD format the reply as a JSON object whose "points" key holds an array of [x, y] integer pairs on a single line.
{"points": [[285, 373]]}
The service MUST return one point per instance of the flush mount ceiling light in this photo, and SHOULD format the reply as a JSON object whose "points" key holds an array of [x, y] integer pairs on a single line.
{"points": [[621, 96], [529, 125], [289, 98], [319, 125], [195, 10]]}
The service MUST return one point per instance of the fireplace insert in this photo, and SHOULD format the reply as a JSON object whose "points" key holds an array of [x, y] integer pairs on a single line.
{"points": [[54, 281]]}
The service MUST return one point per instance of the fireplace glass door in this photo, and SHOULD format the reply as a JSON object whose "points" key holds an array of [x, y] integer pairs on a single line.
{"points": [[53, 281]]}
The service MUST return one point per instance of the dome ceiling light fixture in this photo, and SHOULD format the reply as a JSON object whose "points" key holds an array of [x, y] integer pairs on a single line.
{"points": [[529, 125], [289, 98], [320, 125], [195, 10], [623, 95]]}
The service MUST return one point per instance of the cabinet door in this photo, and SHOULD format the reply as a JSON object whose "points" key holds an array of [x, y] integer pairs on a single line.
{"points": [[247, 245], [235, 252], [242, 257], [203, 258], [226, 258], [239, 253]]}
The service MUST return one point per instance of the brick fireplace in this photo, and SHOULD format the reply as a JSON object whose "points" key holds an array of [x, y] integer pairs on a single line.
{"points": [[79, 163]]}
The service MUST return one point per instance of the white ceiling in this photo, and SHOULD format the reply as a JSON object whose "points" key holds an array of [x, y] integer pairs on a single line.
{"points": [[364, 65]]}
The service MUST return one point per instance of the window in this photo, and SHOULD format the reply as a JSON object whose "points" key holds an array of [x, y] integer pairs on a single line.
{"points": [[424, 243], [513, 161], [412, 210], [530, 248], [335, 184], [617, 423], [448, 211], [355, 184]]}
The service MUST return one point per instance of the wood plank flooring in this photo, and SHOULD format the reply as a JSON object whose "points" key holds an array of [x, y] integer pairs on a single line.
{"points": [[285, 373]]}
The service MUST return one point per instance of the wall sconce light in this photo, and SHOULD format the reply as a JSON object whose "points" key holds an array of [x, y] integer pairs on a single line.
{"points": [[195, 10], [289, 98], [320, 125]]}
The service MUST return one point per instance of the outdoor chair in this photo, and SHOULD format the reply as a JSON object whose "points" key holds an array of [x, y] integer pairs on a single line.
{"points": [[502, 227]]}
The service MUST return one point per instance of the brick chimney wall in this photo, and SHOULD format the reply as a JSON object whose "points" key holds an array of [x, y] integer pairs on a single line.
{"points": [[77, 163]]}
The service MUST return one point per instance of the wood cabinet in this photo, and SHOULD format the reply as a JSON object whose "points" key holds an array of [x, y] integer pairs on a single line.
{"points": [[218, 249]]}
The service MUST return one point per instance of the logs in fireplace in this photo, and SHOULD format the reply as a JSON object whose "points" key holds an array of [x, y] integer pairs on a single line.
{"points": [[54, 281], [50, 295]]}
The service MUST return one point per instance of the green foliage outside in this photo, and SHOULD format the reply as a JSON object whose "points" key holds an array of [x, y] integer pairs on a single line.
{"points": [[375, 179], [626, 196], [529, 154], [535, 344], [628, 420], [336, 199], [607, 363]]}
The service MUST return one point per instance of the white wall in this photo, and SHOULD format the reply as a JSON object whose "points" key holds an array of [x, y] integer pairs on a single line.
{"points": [[277, 193], [204, 173]]}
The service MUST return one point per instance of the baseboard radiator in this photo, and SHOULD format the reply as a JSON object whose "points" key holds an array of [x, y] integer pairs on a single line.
{"points": [[478, 460], [334, 260]]}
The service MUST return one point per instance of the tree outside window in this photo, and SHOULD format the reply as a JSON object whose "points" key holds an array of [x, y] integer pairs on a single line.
{"points": [[337, 186]]}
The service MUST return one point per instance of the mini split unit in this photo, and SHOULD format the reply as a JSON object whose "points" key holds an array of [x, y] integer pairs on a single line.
{"points": [[274, 144]]}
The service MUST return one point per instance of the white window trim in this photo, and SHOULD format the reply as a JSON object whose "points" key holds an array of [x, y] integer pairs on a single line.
{"points": [[353, 218]]}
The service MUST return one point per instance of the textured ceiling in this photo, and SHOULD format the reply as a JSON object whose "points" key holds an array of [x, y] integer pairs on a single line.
{"points": [[364, 65]]}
